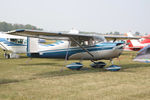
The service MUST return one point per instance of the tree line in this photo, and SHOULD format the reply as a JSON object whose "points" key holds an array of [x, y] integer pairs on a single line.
{"points": [[4, 27]]}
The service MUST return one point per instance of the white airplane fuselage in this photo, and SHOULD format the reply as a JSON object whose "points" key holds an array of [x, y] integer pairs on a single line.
{"points": [[60, 50], [15, 44]]}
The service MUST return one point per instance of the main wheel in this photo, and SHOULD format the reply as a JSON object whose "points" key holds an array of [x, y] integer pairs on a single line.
{"points": [[98, 65]]}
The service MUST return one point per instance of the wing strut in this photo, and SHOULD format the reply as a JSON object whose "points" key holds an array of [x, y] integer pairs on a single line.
{"points": [[3, 46], [83, 48]]}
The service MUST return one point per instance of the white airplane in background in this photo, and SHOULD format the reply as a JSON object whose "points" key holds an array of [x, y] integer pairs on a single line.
{"points": [[13, 45], [75, 46]]}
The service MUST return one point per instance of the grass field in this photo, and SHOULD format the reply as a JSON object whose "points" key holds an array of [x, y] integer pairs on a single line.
{"points": [[42, 79]]}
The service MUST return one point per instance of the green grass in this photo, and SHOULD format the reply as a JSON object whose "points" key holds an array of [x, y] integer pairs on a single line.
{"points": [[43, 79]]}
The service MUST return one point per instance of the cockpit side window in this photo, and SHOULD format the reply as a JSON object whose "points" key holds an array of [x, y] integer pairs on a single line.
{"points": [[13, 40], [20, 41], [17, 41], [83, 43]]}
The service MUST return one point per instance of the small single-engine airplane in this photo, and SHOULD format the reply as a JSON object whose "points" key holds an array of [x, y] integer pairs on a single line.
{"points": [[74, 46]]}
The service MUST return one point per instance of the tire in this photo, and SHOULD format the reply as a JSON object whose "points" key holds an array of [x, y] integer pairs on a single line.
{"points": [[7, 56]]}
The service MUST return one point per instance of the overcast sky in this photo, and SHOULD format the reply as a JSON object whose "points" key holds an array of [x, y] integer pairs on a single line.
{"points": [[85, 15]]}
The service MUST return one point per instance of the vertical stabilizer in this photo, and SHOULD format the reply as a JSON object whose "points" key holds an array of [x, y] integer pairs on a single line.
{"points": [[32, 46], [129, 34], [132, 43], [129, 43]]}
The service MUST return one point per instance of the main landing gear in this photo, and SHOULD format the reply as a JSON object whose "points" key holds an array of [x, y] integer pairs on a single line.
{"points": [[98, 65], [78, 66], [10, 55], [109, 68]]}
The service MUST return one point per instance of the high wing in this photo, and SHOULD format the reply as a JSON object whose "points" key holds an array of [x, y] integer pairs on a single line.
{"points": [[49, 35], [61, 35]]}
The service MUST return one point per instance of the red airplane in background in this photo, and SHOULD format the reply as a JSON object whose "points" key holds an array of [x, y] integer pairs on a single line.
{"points": [[136, 45]]}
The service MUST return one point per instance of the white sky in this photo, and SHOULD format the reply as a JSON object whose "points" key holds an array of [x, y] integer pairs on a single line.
{"points": [[85, 15]]}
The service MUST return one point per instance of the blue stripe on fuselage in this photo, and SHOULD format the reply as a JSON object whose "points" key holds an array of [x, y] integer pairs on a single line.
{"points": [[61, 53], [2, 39]]}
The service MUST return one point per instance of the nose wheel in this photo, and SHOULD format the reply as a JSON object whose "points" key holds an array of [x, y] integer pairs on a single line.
{"points": [[113, 67], [111, 61]]}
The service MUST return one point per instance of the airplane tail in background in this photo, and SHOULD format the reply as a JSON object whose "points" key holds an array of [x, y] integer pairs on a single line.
{"points": [[129, 42], [32, 47], [129, 34], [134, 45]]}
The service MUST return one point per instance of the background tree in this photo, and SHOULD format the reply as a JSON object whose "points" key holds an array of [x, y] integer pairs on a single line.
{"points": [[116, 33], [4, 26]]}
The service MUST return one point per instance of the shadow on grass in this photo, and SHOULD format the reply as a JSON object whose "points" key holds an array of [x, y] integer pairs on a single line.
{"points": [[90, 70], [39, 64], [68, 72], [7, 81]]}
